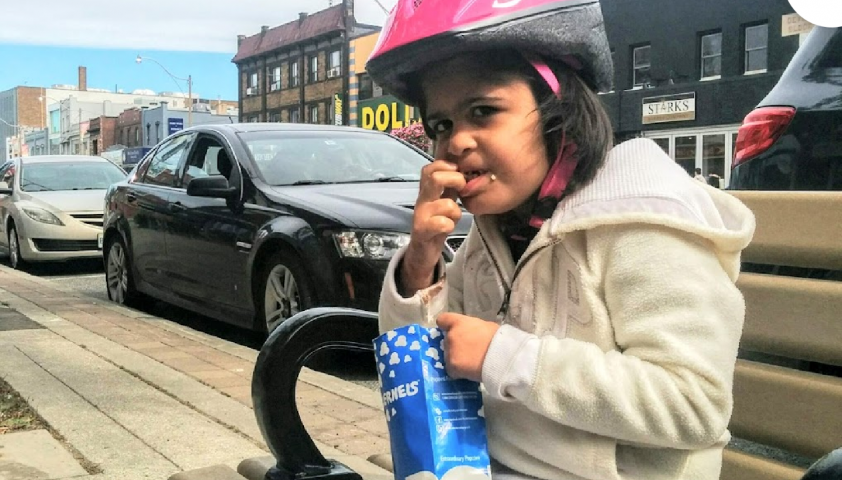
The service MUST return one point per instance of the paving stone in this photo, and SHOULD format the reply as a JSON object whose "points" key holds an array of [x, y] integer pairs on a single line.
{"points": [[35, 455], [216, 472]]}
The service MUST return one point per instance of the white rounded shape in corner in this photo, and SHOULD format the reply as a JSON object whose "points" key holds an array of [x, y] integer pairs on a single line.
{"points": [[824, 13]]}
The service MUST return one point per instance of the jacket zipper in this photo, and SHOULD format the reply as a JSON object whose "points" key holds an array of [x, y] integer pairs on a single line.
{"points": [[508, 287], [504, 307], [493, 259]]}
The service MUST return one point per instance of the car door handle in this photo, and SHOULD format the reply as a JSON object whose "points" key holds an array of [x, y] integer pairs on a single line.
{"points": [[177, 207], [131, 198]]}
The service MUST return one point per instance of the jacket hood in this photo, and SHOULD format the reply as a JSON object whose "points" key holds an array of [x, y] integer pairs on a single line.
{"points": [[639, 183]]}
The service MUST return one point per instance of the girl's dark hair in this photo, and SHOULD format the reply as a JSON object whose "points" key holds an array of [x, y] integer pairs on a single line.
{"points": [[578, 114]]}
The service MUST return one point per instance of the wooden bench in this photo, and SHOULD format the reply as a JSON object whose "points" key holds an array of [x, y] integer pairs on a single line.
{"points": [[787, 389], [793, 331]]}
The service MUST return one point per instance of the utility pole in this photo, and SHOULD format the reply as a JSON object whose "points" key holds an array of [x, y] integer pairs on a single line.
{"points": [[190, 100]]}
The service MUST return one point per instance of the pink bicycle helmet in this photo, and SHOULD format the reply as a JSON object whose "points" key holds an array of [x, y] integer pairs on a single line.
{"points": [[419, 32]]}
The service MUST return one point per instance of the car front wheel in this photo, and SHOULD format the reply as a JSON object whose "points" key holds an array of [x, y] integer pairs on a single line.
{"points": [[118, 274], [284, 291], [15, 259]]}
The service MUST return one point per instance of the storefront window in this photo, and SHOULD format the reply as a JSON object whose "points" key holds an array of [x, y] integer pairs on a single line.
{"points": [[664, 143], [685, 153], [713, 156]]}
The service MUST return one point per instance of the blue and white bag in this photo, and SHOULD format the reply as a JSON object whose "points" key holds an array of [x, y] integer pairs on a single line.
{"points": [[436, 423]]}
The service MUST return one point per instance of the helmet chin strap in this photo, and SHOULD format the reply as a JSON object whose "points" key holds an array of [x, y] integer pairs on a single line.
{"points": [[560, 172]]}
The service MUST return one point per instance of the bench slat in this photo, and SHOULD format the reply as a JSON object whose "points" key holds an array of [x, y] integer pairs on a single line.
{"points": [[788, 409], [800, 229], [738, 465], [792, 317]]}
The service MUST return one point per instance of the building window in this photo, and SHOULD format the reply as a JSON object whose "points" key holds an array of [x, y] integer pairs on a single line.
{"points": [[757, 42], [137, 136], [252, 119], [334, 64], [275, 79], [148, 133], [252, 85], [711, 56], [158, 133], [314, 114], [314, 68], [55, 121], [293, 115], [641, 66], [366, 89], [275, 117], [293, 74]]}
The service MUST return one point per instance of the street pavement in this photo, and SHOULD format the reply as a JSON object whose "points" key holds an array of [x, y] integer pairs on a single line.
{"points": [[134, 396]]}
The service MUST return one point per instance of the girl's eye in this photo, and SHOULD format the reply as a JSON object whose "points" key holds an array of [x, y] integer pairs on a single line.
{"points": [[482, 111], [441, 127]]}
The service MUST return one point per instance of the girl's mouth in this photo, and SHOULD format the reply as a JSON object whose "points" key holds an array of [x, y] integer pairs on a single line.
{"points": [[475, 182], [473, 174]]}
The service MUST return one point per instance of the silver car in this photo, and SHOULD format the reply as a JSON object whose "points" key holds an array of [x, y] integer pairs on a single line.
{"points": [[51, 206]]}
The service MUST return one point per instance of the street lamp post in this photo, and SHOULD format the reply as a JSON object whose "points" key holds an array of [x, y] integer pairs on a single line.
{"points": [[189, 81]]}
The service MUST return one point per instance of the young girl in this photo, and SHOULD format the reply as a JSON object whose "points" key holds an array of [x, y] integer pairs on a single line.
{"points": [[594, 297]]}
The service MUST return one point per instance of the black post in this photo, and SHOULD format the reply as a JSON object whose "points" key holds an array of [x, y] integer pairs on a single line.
{"points": [[273, 387]]}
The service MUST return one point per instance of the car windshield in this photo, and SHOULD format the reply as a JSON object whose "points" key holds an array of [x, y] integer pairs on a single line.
{"points": [[307, 158], [47, 177]]}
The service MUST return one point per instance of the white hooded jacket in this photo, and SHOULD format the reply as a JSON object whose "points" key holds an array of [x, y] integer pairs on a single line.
{"points": [[616, 356]]}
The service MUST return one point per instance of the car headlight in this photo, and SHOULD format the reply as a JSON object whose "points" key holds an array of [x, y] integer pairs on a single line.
{"points": [[370, 245], [41, 215]]}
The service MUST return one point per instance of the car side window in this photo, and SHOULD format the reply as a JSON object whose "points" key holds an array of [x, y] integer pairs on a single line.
{"points": [[208, 158], [7, 175], [163, 167]]}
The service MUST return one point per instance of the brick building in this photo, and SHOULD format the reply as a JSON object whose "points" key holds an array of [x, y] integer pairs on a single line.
{"points": [[298, 71], [128, 130], [21, 112], [103, 134]]}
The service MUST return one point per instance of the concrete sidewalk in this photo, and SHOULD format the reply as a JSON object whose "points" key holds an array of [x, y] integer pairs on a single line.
{"points": [[138, 397]]}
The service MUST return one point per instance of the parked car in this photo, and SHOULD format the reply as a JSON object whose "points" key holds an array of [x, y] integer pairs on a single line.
{"points": [[51, 206], [793, 139], [252, 223]]}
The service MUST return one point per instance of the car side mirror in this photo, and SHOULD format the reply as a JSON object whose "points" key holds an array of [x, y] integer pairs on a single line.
{"points": [[214, 186]]}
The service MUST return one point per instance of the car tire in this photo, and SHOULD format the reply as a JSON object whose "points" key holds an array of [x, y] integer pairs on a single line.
{"points": [[284, 290], [119, 281], [15, 259]]}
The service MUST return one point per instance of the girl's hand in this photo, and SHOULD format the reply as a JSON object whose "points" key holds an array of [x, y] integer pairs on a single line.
{"points": [[435, 217], [466, 341]]}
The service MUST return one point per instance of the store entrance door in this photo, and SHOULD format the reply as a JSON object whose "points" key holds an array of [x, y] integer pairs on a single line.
{"points": [[708, 149]]}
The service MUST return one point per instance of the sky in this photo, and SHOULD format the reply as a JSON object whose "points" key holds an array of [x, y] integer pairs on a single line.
{"points": [[43, 42]]}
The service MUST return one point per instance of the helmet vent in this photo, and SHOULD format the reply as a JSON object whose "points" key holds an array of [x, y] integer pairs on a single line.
{"points": [[417, 3]]}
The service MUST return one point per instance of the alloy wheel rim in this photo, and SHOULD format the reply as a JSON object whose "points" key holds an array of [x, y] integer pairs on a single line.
{"points": [[13, 249], [281, 298], [117, 275]]}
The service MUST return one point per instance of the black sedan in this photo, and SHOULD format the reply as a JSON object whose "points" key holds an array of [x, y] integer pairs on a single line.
{"points": [[252, 223]]}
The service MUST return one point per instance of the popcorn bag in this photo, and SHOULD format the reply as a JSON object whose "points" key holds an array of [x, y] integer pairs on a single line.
{"points": [[436, 423]]}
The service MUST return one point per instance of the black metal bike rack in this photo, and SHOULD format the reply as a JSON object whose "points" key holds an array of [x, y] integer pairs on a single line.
{"points": [[276, 372], [828, 467]]}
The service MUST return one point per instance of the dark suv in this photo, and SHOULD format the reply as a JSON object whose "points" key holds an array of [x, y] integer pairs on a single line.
{"points": [[793, 139]]}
